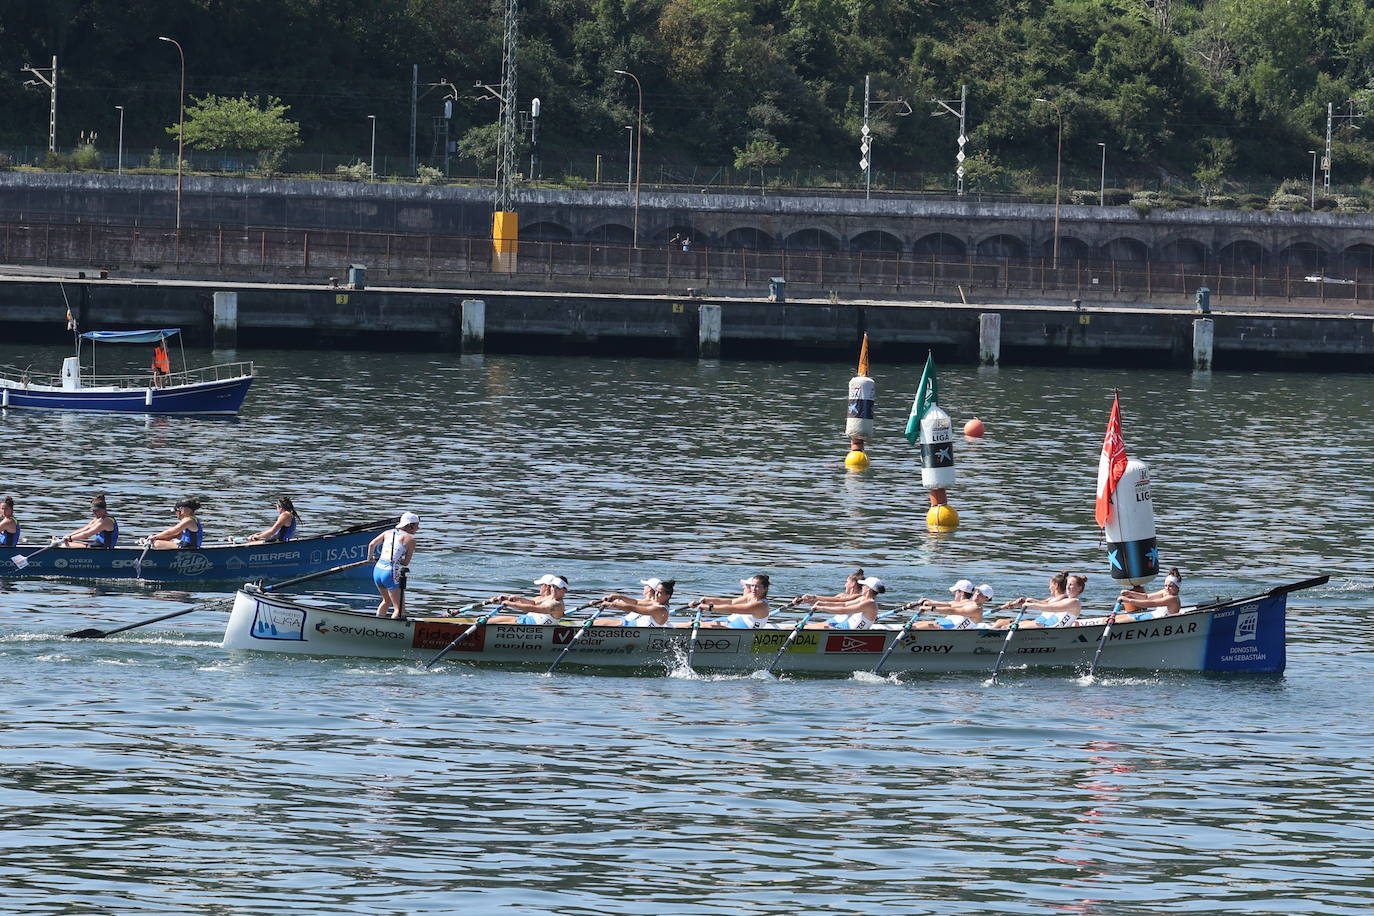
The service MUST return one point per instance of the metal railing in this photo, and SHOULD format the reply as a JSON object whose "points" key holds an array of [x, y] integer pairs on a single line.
{"points": [[221, 372]]}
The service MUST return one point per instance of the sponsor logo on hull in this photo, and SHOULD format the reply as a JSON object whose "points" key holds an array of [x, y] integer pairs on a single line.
{"points": [[438, 635], [807, 642], [855, 642]]}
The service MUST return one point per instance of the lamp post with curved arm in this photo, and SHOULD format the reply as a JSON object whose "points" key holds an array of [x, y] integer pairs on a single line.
{"points": [[181, 121], [639, 147], [1058, 173]]}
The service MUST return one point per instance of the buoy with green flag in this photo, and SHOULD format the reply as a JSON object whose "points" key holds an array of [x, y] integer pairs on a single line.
{"points": [[930, 428], [858, 426]]}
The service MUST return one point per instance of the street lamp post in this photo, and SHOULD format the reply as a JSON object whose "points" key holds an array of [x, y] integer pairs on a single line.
{"points": [[372, 167], [630, 157], [1058, 174], [181, 121], [639, 147], [1102, 182], [119, 157], [1313, 204]]}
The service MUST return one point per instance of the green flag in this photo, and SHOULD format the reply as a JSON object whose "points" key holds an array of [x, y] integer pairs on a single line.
{"points": [[927, 393]]}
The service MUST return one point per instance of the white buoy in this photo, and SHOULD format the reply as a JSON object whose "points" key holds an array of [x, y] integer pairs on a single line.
{"points": [[1132, 551], [859, 422], [937, 449]]}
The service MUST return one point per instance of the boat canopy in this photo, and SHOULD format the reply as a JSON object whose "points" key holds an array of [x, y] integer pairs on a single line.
{"points": [[131, 337]]}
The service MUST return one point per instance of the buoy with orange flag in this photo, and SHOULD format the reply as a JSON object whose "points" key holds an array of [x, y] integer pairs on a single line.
{"points": [[858, 425]]}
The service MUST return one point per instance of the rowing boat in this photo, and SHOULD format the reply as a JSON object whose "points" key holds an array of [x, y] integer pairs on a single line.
{"points": [[227, 562], [1240, 635]]}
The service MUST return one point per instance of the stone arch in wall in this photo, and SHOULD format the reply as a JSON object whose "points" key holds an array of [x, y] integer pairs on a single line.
{"points": [[1183, 251], [1070, 249], [1307, 256], [1241, 253], [1357, 257], [876, 240], [747, 237], [1126, 248], [811, 239], [1001, 246], [612, 233], [941, 246], [546, 232]]}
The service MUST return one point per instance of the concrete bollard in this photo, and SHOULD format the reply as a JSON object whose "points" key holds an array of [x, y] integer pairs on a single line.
{"points": [[1202, 344], [225, 334], [474, 331], [708, 334], [989, 338]]}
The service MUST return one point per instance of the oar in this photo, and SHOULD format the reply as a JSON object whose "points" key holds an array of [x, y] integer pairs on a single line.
{"points": [[101, 634], [316, 575], [1006, 642], [797, 628], [364, 526], [138, 564], [21, 561], [1111, 619], [477, 625], [692, 642], [901, 639], [581, 631]]}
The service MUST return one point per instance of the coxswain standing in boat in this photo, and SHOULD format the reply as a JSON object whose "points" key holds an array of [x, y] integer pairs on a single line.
{"points": [[9, 525], [393, 550], [965, 610], [162, 365], [284, 528], [857, 612], [1166, 597], [746, 612], [101, 531], [649, 611], [186, 534], [1060, 609], [543, 610]]}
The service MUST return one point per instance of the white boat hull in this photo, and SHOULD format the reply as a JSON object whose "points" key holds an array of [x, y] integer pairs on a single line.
{"points": [[1243, 636]]}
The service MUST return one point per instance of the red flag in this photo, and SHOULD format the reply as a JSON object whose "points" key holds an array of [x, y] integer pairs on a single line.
{"points": [[1112, 464]]}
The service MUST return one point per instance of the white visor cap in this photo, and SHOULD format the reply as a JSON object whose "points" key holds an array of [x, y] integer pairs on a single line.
{"points": [[555, 581], [655, 584], [408, 518], [963, 585], [874, 583], [985, 590]]}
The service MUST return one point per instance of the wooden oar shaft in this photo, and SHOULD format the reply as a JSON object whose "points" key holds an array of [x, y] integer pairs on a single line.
{"points": [[997, 665], [462, 636], [317, 575], [101, 634]]}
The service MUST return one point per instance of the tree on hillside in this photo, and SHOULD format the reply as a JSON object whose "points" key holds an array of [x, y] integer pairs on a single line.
{"points": [[240, 125], [758, 153]]}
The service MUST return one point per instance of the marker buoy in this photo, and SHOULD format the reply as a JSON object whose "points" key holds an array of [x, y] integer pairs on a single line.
{"points": [[973, 429], [942, 518], [1130, 530], [937, 450], [856, 461]]}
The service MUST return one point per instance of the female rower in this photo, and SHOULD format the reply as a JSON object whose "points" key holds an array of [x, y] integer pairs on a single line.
{"points": [[746, 612], [649, 611], [965, 610], [852, 589], [857, 612], [543, 610], [1166, 597], [394, 550], [284, 528], [9, 525], [186, 534], [1060, 609], [101, 531]]}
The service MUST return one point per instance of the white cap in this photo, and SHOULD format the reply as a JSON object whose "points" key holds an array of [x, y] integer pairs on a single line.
{"points": [[655, 584], [1172, 580], [874, 583], [963, 585], [555, 581], [408, 518], [985, 589]]}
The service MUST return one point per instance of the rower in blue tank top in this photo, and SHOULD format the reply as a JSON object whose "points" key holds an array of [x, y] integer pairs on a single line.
{"points": [[101, 531], [186, 534], [9, 525], [284, 528]]}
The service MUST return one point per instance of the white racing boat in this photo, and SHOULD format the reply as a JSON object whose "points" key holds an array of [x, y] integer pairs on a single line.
{"points": [[1243, 635]]}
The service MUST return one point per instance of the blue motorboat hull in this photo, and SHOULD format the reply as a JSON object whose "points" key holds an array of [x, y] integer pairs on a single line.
{"points": [[221, 397]]}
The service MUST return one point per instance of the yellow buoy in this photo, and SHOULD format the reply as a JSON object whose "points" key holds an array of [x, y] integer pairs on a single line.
{"points": [[856, 461], [942, 518]]}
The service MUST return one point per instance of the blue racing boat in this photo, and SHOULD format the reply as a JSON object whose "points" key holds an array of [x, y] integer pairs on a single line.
{"points": [[212, 562], [218, 389]]}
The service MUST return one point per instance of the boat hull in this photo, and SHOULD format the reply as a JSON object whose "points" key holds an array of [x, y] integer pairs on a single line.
{"points": [[1239, 637], [229, 563], [203, 398]]}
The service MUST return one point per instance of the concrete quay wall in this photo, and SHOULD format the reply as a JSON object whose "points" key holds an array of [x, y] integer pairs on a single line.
{"points": [[33, 309]]}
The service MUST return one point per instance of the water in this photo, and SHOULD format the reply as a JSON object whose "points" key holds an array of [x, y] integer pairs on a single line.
{"points": [[153, 773]]}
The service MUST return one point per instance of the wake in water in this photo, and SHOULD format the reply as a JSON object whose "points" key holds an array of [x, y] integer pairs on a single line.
{"points": [[868, 677]]}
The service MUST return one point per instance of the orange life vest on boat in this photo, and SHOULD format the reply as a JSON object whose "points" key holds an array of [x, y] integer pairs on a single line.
{"points": [[160, 361]]}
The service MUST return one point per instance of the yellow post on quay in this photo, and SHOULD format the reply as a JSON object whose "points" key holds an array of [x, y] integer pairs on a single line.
{"points": [[505, 241]]}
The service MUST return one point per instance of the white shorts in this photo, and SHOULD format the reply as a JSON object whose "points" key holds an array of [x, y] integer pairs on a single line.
{"points": [[850, 622], [742, 621], [1053, 619], [536, 618], [635, 619], [954, 622]]}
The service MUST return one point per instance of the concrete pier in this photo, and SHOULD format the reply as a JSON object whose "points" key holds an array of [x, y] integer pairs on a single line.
{"points": [[708, 331], [989, 338], [474, 333], [1203, 335], [225, 333]]}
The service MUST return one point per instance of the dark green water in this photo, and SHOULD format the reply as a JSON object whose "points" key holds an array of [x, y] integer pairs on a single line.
{"points": [[154, 773]]}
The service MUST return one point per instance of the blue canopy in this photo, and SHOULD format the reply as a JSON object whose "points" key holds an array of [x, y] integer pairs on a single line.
{"points": [[133, 337]]}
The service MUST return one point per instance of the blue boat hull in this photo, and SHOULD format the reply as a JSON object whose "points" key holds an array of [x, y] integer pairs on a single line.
{"points": [[232, 563], [222, 397]]}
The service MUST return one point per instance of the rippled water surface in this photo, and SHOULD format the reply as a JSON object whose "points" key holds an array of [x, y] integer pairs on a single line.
{"points": [[154, 773]]}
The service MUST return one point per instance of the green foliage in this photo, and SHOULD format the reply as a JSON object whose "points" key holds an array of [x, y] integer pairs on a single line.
{"points": [[425, 174], [155, 159], [238, 124], [479, 143], [85, 156], [354, 171]]}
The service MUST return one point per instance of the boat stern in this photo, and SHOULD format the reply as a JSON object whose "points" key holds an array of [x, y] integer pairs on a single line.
{"points": [[1249, 638]]}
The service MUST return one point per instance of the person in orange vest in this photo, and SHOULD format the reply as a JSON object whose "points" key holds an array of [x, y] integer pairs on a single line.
{"points": [[162, 365]]}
